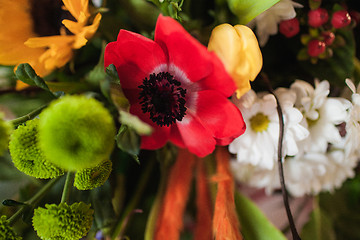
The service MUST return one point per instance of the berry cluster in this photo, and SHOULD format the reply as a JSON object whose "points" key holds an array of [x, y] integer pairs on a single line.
{"points": [[323, 27]]}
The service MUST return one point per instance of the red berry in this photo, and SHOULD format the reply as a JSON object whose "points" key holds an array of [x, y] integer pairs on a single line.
{"points": [[317, 17], [316, 47], [289, 28], [355, 15], [340, 19], [329, 37]]}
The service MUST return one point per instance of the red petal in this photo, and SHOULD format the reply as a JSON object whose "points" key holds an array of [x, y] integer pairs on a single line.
{"points": [[184, 51], [219, 116], [193, 58], [175, 136], [159, 136], [134, 56], [219, 79], [195, 136]]}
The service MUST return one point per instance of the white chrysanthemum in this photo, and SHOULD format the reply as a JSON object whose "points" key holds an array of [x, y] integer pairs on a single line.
{"points": [[353, 122], [315, 172], [322, 114], [267, 22], [256, 176], [258, 145], [310, 173]]}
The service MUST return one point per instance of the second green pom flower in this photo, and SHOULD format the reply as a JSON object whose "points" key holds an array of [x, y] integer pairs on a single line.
{"points": [[76, 132]]}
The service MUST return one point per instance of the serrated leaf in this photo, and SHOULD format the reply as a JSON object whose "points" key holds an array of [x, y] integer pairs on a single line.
{"points": [[254, 224], [246, 10], [319, 227], [27, 74], [135, 123]]}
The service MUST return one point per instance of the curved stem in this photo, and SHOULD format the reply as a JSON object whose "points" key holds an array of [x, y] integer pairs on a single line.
{"points": [[294, 232], [28, 116], [67, 187], [39, 195]]}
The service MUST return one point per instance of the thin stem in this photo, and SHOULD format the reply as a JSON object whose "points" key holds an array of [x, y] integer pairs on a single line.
{"points": [[28, 116], [67, 187], [39, 195], [285, 195], [120, 227]]}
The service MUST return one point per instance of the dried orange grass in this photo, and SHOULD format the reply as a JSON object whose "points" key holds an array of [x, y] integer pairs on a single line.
{"points": [[170, 218], [203, 204], [225, 223]]}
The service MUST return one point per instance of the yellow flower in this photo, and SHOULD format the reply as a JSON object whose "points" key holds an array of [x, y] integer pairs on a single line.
{"points": [[26, 37], [238, 49]]}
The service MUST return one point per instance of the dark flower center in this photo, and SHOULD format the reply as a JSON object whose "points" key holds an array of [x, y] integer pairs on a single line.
{"points": [[163, 97], [47, 16]]}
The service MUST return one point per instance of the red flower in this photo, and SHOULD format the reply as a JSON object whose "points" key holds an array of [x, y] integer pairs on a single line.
{"points": [[178, 87]]}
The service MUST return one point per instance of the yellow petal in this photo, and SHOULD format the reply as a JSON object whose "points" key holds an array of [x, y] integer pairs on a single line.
{"points": [[238, 49], [75, 7]]}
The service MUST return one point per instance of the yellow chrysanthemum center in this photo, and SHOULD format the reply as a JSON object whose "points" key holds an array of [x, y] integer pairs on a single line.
{"points": [[259, 122]]}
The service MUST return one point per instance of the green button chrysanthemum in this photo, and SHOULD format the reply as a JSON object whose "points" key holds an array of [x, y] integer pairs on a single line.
{"points": [[26, 154], [90, 178], [5, 129], [76, 132], [6, 232], [63, 221]]}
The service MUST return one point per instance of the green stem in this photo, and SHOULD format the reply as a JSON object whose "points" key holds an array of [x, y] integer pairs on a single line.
{"points": [[124, 219], [39, 195], [67, 187], [28, 116]]}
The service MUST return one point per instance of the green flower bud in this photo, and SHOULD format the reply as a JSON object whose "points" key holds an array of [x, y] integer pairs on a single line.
{"points": [[26, 154], [63, 221], [5, 129], [76, 132], [90, 178], [6, 232]]}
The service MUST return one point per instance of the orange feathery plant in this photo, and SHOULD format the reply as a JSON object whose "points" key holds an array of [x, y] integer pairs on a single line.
{"points": [[203, 204], [170, 218], [225, 221]]}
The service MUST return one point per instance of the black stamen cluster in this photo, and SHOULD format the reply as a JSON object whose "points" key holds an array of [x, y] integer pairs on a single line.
{"points": [[163, 97]]}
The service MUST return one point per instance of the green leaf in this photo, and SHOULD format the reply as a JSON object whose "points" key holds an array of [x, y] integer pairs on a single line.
{"points": [[254, 224], [319, 227], [135, 123], [128, 141], [246, 10], [27, 74]]}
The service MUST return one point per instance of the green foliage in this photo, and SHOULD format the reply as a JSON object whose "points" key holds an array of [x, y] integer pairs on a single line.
{"points": [[246, 10], [5, 130], [63, 221], [319, 227], [27, 74], [6, 231], [254, 224], [90, 178], [76, 132], [27, 155]]}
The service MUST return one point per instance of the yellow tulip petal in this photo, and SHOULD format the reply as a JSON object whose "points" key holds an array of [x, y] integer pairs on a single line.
{"points": [[238, 49]]}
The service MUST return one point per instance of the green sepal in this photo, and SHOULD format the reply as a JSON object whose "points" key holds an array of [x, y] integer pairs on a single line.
{"points": [[314, 4], [254, 224], [246, 10]]}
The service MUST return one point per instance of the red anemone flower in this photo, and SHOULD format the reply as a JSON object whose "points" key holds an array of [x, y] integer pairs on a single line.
{"points": [[178, 87]]}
